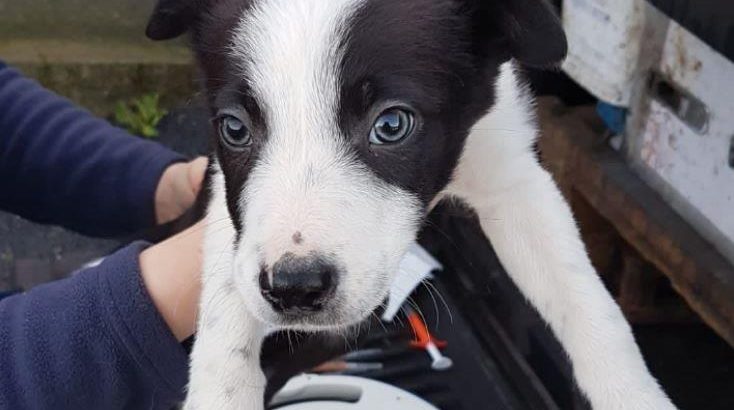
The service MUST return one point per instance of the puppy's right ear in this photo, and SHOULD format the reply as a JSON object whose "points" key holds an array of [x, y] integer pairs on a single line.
{"points": [[172, 18]]}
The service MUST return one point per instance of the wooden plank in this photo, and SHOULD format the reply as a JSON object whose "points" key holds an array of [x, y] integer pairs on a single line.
{"points": [[701, 275]]}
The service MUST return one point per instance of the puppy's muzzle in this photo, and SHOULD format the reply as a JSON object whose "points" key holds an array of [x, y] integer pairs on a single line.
{"points": [[299, 284]]}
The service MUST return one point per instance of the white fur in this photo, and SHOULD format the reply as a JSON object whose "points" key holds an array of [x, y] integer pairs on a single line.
{"points": [[533, 232], [305, 182], [225, 361]]}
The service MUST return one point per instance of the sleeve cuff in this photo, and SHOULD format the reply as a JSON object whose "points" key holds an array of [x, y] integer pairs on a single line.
{"points": [[139, 325]]}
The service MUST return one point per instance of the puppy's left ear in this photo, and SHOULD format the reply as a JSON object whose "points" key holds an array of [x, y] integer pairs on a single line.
{"points": [[172, 18], [532, 30]]}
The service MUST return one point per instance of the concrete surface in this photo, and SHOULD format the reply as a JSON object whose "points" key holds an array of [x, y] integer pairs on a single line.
{"points": [[94, 52]]}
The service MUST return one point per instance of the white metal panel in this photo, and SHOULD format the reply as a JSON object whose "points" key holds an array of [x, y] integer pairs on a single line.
{"points": [[621, 51], [604, 40], [692, 163]]}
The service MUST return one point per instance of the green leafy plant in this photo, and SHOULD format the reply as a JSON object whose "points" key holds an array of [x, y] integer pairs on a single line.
{"points": [[141, 115]]}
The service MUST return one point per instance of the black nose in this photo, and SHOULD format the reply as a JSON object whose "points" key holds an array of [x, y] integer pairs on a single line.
{"points": [[299, 284]]}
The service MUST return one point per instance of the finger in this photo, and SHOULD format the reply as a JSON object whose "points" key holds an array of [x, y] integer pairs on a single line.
{"points": [[197, 170]]}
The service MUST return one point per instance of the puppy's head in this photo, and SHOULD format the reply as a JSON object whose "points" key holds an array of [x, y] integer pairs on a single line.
{"points": [[337, 124]]}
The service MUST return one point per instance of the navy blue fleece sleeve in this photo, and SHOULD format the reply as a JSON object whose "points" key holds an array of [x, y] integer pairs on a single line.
{"points": [[61, 165], [93, 341]]}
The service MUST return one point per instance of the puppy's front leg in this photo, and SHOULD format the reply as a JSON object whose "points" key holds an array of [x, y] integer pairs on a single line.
{"points": [[225, 361], [533, 232], [225, 370]]}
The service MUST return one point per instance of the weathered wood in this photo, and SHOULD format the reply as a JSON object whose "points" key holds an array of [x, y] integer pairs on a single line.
{"points": [[637, 286], [571, 147]]}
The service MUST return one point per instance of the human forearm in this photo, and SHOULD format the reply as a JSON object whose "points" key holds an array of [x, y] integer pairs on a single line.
{"points": [[170, 271], [96, 338], [59, 164]]}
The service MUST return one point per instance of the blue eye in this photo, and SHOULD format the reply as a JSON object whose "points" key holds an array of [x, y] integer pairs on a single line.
{"points": [[392, 126], [234, 132]]}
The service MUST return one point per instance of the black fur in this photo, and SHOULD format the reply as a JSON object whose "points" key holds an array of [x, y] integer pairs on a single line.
{"points": [[172, 18], [237, 164], [420, 53]]}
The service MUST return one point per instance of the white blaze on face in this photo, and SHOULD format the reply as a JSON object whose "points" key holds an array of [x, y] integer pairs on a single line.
{"points": [[305, 184]]}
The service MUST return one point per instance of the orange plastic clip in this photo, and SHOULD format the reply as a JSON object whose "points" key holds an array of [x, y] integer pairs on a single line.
{"points": [[422, 335]]}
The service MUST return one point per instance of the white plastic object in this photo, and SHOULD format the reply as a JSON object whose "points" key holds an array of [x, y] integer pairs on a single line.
{"points": [[439, 362], [416, 266], [314, 392]]}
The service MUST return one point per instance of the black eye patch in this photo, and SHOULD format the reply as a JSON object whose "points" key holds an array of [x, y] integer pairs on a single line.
{"points": [[425, 66], [239, 133]]}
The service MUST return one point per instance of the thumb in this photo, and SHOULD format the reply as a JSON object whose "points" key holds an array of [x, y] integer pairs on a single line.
{"points": [[197, 171]]}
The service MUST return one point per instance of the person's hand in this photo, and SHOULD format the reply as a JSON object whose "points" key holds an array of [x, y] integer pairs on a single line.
{"points": [[178, 188], [171, 271]]}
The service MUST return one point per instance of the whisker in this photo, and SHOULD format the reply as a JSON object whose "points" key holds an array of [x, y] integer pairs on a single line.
{"points": [[443, 300], [433, 298]]}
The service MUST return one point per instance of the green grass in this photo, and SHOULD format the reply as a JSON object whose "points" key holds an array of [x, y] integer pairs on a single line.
{"points": [[141, 115]]}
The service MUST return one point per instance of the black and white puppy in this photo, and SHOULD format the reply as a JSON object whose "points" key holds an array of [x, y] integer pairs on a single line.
{"points": [[339, 124]]}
